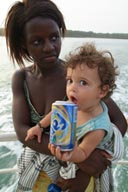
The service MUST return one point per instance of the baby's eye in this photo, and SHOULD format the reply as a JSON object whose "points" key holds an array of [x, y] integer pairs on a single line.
{"points": [[83, 82], [69, 81]]}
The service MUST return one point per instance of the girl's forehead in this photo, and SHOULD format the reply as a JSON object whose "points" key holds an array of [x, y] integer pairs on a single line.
{"points": [[40, 21], [41, 26]]}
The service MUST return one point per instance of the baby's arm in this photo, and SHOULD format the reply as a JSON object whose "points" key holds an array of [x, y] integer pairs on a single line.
{"points": [[81, 151], [38, 129]]}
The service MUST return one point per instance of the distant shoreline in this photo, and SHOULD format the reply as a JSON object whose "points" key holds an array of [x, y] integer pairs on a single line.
{"points": [[88, 34]]}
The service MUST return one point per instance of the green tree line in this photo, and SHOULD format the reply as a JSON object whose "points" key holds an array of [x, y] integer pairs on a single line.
{"points": [[82, 34], [71, 33]]}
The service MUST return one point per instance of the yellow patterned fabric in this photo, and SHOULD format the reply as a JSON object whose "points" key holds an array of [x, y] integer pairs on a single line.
{"points": [[90, 187], [42, 182]]}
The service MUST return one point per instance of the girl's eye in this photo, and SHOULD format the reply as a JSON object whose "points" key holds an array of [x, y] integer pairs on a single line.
{"points": [[54, 38], [36, 42], [83, 82]]}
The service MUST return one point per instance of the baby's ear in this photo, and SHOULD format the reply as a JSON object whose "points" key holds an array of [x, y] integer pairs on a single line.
{"points": [[104, 91]]}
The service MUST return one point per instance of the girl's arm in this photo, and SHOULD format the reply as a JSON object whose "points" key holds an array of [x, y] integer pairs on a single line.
{"points": [[116, 116], [21, 115]]}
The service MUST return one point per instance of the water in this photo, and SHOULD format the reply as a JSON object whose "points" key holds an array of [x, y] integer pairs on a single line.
{"points": [[9, 151]]}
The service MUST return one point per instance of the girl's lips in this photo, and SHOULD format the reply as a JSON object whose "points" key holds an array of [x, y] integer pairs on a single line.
{"points": [[50, 59]]}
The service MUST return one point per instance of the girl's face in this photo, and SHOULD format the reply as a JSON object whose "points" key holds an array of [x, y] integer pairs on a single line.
{"points": [[43, 41], [83, 87]]}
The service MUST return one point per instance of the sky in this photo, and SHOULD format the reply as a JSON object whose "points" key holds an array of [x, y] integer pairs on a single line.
{"points": [[100, 16]]}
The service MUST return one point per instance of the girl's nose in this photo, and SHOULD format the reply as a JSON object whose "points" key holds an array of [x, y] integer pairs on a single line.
{"points": [[48, 46]]}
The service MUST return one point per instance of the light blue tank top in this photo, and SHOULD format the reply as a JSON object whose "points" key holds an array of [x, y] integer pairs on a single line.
{"points": [[103, 122]]}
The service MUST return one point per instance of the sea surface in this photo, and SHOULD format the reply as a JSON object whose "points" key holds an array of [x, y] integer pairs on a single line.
{"points": [[10, 151]]}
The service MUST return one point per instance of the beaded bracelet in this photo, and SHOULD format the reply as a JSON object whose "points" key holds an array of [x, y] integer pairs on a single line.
{"points": [[40, 127]]}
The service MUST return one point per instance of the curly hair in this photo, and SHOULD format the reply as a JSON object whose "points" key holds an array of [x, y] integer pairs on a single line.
{"points": [[102, 60], [19, 14]]}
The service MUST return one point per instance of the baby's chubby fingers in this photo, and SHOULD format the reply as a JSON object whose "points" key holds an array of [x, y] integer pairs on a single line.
{"points": [[58, 153], [51, 147], [55, 150]]}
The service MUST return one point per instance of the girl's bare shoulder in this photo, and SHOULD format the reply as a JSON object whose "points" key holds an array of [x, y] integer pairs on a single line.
{"points": [[21, 73]]}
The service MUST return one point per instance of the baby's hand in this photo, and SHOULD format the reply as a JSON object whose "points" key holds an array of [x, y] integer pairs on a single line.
{"points": [[75, 155], [61, 155], [32, 132]]}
